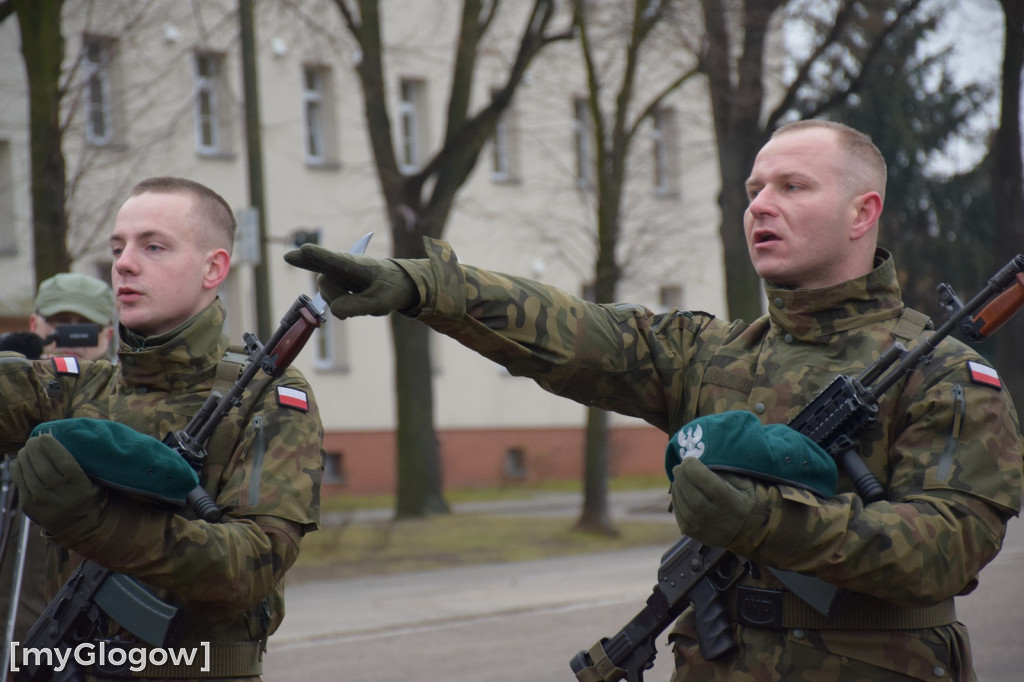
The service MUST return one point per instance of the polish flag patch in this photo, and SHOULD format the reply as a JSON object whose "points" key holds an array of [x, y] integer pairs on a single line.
{"points": [[292, 397], [983, 374], [66, 365]]}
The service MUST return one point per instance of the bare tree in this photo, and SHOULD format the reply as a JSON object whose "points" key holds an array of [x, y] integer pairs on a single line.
{"points": [[616, 113], [1008, 185], [418, 203], [42, 48]]}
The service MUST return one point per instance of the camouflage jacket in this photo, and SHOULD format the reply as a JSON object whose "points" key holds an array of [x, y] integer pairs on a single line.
{"points": [[946, 448], [223, 575]]}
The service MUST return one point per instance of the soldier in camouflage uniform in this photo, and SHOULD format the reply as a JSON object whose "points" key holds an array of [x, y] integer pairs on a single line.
{"points": [[947, 446], [171, 251]]}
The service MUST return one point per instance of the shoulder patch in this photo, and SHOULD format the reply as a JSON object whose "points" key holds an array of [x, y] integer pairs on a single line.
{"points": [[66, 365], [983, 374], [292, 397]]}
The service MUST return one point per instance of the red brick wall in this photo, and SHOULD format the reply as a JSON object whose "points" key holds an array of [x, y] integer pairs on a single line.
{"points": [[478, 457]]}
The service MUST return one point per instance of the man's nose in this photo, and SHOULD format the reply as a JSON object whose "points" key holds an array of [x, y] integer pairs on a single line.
{"points": [[125, 261], [761, 203]]}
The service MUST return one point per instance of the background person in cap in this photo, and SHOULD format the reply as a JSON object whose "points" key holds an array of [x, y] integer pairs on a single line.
{"points": [[66, 298], [74, 298]]}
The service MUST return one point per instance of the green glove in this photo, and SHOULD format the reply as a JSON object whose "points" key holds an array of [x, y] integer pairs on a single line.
{"points": [[54, 491], [727, 511], [357, 285]]}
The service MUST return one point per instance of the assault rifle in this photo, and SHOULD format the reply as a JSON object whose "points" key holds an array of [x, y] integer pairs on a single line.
{"points": [[94, 593], [692, 573]]}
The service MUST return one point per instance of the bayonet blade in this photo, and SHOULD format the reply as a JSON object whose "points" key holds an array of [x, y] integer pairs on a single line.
{"points": [[359, 248]]}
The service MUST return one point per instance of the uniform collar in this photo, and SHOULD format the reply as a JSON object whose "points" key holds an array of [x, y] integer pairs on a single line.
{"points": [[182, 357], [809, 314]]}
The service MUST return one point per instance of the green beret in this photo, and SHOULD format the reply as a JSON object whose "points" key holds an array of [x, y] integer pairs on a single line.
{"points": [[737, 442], [122, 458]]}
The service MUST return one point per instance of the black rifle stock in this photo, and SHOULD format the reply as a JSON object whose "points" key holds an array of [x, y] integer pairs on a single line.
{"points": [[93, 592], [834, 420]]}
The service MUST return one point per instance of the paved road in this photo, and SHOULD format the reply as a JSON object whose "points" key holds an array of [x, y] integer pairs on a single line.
{"points": [[524, 621]]}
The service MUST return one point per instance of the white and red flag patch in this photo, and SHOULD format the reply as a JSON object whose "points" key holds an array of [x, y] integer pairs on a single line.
{"points": [[292, 397], [983, 374], [66, 365]]}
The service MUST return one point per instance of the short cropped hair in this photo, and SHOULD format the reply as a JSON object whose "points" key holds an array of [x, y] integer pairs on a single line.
{"points": [[213, 210], [855, 143]]}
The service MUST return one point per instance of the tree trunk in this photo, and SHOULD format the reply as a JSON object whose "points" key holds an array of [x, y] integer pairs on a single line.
{"points": [[1008, 190], [736, 86], [419, 460], [595, 517], [42, 46]]}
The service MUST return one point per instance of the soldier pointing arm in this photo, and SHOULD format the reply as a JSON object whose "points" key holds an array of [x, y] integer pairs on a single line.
{"points": [[946, 447]]}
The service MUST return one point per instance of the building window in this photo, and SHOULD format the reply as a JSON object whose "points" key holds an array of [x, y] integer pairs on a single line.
{"points": [[96, 68], [664, 152], [331, 347], [670, 297], [210, 106], [8, 231], [334, 468], [503, 149], [515, 464], [318, 115], [582, 130], [411, 124]]}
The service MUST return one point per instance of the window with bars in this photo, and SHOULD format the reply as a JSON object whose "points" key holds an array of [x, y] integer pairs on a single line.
{"points": [[97, 55], [208, 105], [318, 116]]}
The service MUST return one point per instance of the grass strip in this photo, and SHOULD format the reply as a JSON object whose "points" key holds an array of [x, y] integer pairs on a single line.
{"points": [[387, 547]]}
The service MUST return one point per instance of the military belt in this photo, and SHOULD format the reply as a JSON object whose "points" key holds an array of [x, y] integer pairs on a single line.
{"points": [[226, 659], [782, 610]]}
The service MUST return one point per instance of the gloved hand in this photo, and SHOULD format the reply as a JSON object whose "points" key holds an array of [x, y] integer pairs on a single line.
{"points": [[53, 490], [357, 285], [727, 511]]}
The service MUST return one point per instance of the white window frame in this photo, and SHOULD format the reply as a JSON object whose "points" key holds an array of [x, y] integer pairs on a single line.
{"points": [[330, 347], [8, 214], [410, 124], [501, 170], [314, 115], [96, 64], [582, 130], [663, 150], [207, 96]]}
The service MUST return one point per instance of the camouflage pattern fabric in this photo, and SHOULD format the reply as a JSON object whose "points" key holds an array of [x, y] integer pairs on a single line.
{"points": [[947, 450], [269, 489]]}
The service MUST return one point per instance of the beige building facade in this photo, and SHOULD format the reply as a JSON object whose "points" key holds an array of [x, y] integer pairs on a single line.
{"points": [[155, 88]]}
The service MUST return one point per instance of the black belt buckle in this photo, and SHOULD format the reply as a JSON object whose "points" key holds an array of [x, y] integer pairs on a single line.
{"points": [[758, 607]]}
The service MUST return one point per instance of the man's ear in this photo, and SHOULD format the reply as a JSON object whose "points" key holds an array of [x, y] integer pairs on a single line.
{"points": [[218, 265], [868, 209], [33, 323]]}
